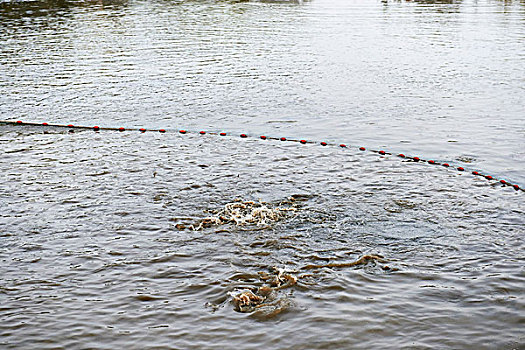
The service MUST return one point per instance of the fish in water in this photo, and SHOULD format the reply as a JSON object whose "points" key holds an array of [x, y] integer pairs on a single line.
{"points": [[247, 301]]}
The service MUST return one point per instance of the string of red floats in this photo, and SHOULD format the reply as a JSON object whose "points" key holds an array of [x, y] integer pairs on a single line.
{"points": [[263, 137]]}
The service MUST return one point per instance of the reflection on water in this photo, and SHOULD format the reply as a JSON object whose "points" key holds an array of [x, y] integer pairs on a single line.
{"points": [[24, 11], [97, 247]]}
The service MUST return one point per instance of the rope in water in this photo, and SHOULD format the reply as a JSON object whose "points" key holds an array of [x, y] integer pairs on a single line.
{"points": [[494, 179]]}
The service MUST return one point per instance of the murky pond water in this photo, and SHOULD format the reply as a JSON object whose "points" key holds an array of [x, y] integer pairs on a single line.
{"points": [[96, 244]]}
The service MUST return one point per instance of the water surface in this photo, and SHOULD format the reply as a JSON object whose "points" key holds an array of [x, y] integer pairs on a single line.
{"points": [[92, 254]]}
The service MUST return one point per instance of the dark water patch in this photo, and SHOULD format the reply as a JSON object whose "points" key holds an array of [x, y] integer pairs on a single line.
{"points": [[143, 297]]}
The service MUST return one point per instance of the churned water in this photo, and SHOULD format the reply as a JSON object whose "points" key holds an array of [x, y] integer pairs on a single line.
{"points": [[97, 247]]}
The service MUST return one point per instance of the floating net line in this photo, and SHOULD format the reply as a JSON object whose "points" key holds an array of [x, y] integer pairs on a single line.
{"points": [[449, 165]]}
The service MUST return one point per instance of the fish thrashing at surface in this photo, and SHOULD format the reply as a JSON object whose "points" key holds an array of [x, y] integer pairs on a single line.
{"points": [[243, 213], [265, 299], [251, 299]]}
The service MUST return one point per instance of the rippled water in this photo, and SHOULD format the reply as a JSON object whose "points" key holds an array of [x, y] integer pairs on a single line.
{"points": [[93, 253]]}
